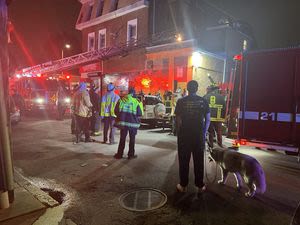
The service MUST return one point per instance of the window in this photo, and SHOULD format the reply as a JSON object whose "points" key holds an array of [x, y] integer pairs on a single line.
{"points": [[100, 8], [91, 41], [102, 39], [89, 13], [149, 64], [180, 64], [132, 31], [114, 5], [80, 17], [165, 66]]}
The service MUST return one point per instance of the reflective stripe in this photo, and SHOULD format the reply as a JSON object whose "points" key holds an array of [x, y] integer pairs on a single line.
{"points": [[284, 117], [269, 116], [297, 118], [127, 124], [251, 115]]}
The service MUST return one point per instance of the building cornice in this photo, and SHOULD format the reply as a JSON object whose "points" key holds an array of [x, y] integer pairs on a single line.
{"points": [[192, 43], [172, 46], [112, 15]]}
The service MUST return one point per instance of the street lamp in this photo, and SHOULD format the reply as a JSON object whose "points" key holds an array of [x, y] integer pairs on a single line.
{"points": [[67, 46]]}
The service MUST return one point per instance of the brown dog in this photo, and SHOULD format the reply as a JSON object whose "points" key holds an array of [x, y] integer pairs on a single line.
{"points": [[244, 168]]}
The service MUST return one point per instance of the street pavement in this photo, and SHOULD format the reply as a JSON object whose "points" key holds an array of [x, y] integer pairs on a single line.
{"points": [[88, 181]]}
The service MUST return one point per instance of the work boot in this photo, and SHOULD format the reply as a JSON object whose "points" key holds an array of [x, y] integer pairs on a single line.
{"points": [[181, 189]]}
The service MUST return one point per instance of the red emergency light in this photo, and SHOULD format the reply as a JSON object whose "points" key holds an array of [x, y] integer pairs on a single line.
{"points": [[68, 77], [238, 57]]}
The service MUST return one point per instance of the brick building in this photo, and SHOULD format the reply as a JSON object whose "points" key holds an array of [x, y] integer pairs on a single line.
{"points": [[180, 49], [106, 23]]}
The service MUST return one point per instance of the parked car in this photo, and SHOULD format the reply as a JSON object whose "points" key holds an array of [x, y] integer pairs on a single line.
{"points": [[154, 110]]}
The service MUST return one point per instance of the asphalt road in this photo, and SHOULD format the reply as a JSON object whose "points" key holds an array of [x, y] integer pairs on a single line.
{"points": [[92, 181]]}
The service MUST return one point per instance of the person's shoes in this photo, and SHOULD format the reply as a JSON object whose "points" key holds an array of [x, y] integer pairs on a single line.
{"points": [[117, 156], [89, 140], [132, 157], [97, 133], [181, 189], [202, 189], [103, 142]]}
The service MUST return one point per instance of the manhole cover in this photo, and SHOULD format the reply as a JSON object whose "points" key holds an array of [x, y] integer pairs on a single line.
{"points": [[143, 199]]}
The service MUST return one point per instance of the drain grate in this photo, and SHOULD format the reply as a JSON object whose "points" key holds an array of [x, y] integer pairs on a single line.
{"points": [[144, 199]]}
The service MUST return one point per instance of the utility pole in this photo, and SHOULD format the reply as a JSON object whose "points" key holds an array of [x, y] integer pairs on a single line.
{"points": [[6, 167]]}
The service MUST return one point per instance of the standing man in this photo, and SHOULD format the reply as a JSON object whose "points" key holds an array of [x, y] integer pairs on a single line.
{"points": [[192, 118], [128, 111], [108, 104], [217, 107], [83, 111], [95, 118]]}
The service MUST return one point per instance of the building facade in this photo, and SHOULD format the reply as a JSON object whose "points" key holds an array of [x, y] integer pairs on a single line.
{"points": [[169, 39]]}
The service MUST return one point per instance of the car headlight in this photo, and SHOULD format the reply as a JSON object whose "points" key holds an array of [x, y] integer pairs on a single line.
{"points": [[40, 100], [67, 100]]}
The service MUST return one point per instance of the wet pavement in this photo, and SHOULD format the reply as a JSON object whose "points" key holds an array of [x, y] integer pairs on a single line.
{"points": [[92, 181]]}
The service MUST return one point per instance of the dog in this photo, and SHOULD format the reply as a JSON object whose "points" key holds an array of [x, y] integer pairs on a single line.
{"points": [[244, 167]]}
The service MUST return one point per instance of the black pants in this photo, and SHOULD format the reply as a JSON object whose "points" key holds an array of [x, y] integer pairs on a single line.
{"points": [[82, 125], [73, 124], [109, 123], [123, 134], [215, 127], [188, 146]]}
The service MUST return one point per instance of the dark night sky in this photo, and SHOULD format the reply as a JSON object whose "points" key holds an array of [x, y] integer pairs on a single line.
{"points": [[46, 25], [275, 23]]}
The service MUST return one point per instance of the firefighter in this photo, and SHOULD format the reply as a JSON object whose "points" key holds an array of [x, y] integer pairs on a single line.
{"points": [[217, 107], [128, 111], [108, 103], [192, 119], [83, 111], [168, 101]]}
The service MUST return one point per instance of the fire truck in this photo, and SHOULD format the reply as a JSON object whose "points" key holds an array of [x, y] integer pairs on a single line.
{"points": [[39, 92], [265, 100]]}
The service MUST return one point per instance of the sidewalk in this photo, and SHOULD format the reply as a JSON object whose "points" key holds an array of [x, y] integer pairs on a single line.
{"points": [[32, 206]]}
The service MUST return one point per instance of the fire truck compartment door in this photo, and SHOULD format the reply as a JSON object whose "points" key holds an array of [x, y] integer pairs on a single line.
{"points": [[269, 98]]}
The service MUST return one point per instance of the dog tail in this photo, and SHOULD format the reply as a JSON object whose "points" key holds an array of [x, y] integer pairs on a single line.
{"points": [[261, 185]]}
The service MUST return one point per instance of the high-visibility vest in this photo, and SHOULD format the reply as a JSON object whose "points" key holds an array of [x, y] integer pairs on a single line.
{"points": [[217, 106], [108, 104], [128, 110]]}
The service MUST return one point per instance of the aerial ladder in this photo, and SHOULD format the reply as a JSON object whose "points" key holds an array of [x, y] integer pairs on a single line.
{"points": [[81, 59]]}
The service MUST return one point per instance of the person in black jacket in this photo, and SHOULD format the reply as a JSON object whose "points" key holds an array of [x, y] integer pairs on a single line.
{"points": [[192, 119], [95, 118]]}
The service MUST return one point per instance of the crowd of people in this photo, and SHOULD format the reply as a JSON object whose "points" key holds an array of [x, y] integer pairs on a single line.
{"points": [[195, 117], [89, 110]]}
